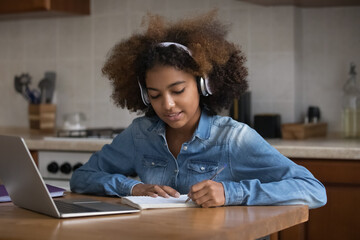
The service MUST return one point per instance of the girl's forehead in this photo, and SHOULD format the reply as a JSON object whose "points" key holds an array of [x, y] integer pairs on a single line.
{"points": [[166, 76], [166, 72]]}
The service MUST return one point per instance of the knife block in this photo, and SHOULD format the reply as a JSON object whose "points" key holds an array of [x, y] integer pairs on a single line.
{"points": [[42, 116]]}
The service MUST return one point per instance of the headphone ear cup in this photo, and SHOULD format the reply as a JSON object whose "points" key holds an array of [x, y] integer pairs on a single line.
{"points": [[146, 99], [144, 94], [203, 87]]}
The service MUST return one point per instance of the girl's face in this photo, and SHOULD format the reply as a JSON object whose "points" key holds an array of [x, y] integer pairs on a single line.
{"points": [[174, 97]]}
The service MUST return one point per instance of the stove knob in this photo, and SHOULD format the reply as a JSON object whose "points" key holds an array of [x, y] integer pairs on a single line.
{"points": [[76, 166], [53, 167], [65, 168]]}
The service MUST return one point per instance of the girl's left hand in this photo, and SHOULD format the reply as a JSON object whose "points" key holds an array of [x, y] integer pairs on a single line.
{"points": [[208, 193]]}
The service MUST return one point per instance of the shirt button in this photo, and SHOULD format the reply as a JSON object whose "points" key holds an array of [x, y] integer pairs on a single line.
{"points": [[153, 163], [202, 168], [185, 148], [176, 171]]}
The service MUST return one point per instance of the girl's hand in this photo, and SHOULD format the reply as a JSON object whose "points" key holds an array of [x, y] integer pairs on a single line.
{"points": [[154, 191], [208, 193]]}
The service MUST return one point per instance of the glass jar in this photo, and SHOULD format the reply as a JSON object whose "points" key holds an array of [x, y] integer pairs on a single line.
{"points": [[351, 106]]}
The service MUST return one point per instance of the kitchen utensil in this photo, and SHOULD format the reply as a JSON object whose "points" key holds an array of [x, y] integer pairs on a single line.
{"points": [[47, 87], [33, 95], [21, 83]]}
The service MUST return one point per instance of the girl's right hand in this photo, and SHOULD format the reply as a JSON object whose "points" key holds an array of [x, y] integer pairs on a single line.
{"points": [[153, 190]]}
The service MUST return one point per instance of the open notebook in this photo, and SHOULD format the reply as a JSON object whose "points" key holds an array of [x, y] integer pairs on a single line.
{"points": [[146, 202]]}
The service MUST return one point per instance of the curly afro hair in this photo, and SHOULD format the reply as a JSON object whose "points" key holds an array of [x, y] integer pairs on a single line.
{"points": [[212, 56]]}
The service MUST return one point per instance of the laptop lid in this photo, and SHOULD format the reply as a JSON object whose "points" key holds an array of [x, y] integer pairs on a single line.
{"points": [[25, 185]]}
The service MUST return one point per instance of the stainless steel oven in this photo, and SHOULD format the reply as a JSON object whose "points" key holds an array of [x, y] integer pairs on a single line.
{"points": [[56, 167]]}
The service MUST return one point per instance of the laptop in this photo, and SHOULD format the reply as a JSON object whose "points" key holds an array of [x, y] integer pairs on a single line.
{"points": [[27, 189]]}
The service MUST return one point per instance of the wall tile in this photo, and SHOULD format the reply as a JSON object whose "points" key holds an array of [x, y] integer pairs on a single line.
{"points": [[283, 29], [102, 86], [296, 56], [101, 34]]}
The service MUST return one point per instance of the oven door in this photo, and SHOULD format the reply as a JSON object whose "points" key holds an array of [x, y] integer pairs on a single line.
{"points": [[56, 167]]}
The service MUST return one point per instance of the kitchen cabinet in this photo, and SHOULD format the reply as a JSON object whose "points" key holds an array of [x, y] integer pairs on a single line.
{"points": [[306, 3], [35, 156], [10, 9], [339, 218]]}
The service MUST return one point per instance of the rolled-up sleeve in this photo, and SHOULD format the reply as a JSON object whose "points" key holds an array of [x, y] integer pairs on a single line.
{"points": [[263, 176], [106, 171]]}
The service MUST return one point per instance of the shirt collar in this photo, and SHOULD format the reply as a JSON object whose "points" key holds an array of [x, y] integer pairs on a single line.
{"points": [[202, 131], [158, 127], [204, 127]]}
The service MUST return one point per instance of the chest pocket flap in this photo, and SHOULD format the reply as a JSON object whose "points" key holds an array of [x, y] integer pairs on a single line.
{"points": [[203, 167], [150, 161]]}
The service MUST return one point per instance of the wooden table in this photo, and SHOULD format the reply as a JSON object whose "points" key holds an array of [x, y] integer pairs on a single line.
{"points": [[235, 222]]}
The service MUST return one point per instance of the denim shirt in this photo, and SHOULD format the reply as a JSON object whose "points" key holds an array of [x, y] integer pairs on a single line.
{"points": [[256, 173]]}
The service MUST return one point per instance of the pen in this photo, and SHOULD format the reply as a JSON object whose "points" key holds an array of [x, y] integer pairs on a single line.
{"points": [[212, 178]]}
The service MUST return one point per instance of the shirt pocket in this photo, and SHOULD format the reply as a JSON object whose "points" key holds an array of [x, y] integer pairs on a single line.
{"points": [[200, 170], [154, 170]]}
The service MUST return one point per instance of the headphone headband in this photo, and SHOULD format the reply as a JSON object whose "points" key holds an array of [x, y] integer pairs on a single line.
{"points": [[166, 44]]}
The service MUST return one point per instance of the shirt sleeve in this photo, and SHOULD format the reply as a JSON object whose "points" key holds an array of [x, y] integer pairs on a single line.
{"points": [[106, 171], [263, 176]]}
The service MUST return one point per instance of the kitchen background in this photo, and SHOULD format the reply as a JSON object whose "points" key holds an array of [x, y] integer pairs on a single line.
{"points": [[296, 56]]}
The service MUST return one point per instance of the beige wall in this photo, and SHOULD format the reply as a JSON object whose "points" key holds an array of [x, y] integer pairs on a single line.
{"points": [[295, 57]]}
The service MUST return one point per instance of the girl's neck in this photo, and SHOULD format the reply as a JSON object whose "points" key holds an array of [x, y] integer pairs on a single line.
{"points": [[181, 133]]}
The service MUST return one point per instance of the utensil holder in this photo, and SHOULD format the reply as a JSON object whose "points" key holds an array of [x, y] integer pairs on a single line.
{"points": [[42, 116]]}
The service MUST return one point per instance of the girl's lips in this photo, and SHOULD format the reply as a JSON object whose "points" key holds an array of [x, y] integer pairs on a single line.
{"points": [[173, 116]]}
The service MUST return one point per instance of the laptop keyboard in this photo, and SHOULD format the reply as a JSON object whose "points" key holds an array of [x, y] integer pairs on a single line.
{"points": [[65, 207]]}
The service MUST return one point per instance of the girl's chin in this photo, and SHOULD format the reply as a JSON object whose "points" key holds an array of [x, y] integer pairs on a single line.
{"points": [[175, 125]]}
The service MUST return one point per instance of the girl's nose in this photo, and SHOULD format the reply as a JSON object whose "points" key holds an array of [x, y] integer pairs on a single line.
{"points": [[168, 102]]}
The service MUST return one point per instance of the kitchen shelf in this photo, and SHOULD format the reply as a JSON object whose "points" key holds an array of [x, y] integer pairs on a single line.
{"points": [[306, 3], [14, 9]]}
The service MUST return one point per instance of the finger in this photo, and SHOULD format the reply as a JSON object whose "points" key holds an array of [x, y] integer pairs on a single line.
{"points": [[199, 189], [159, 190], [199, 197], [142, 190], [152, 194], [198, 186], [207, 201], [212, 194], [208, 204], [172, 192]]}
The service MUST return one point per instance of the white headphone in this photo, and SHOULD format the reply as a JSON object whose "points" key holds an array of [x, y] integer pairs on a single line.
{"points": [[203, 83], [144, 94]]}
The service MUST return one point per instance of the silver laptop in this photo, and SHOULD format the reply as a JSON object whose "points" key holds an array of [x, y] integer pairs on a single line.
{"points": [[27, 189]]}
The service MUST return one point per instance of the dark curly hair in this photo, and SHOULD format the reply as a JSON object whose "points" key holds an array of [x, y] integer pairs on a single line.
{"points": [[212, 56]]}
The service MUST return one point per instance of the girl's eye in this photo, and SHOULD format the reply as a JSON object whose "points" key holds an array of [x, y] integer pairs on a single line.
{"points": [[179, 92], [158, 95], [154, 97]]}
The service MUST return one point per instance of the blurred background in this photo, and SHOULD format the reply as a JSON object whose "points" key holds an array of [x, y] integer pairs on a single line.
{"points": [[297, 56]]}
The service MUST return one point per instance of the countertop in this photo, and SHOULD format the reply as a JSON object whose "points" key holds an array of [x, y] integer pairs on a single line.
{"points": [[329, 147]]}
